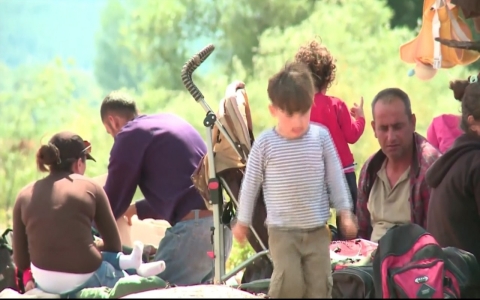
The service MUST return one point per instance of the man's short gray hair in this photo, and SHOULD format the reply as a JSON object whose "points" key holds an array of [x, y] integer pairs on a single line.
{"points": [[391, 94]]}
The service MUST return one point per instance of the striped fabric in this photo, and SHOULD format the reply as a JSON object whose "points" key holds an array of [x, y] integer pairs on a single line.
{"points": [[295, 175]]}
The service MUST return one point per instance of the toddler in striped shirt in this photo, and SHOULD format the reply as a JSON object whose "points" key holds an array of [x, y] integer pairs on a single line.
{"points": [[295, 163]]}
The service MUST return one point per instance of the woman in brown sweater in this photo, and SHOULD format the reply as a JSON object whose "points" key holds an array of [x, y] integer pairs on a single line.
{"points": [[52, 221]]}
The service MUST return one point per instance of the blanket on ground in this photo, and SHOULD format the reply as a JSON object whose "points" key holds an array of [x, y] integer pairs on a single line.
{"points": [[125, 286], [195, 291], [35, 293]]}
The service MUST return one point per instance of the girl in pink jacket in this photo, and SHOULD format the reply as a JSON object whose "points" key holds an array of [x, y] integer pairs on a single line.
{"points": [[443, 131]]}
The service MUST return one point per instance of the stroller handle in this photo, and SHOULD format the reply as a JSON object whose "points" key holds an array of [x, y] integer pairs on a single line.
{"points": [[190, 66]]}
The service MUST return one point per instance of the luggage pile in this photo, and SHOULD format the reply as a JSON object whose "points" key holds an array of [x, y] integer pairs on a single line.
{"points": [[407, 263]]}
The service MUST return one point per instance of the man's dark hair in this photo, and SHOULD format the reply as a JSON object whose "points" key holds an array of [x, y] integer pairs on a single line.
{"points": [[292, 88], [391, 94], [119, 103]]}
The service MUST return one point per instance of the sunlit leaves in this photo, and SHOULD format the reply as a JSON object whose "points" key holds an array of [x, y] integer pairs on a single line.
{"points": [[37, 100]]}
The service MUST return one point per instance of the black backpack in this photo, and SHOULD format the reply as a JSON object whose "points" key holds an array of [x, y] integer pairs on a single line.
{"points": [[256, 276], [468, 271], [9, 277], [354, 282]]}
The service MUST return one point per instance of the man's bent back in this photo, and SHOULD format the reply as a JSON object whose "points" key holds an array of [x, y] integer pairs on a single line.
{"points": [[159, 153]]}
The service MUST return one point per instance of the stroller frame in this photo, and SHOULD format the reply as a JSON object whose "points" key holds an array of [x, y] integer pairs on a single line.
{"points": [[216, 184]]}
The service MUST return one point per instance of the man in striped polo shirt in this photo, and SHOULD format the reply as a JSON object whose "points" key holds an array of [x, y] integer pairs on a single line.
{"points": [[296, 163]]}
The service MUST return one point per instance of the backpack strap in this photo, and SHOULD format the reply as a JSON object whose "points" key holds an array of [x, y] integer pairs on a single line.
{"points": [[436, 24], [457, 30], [456, 27], [437, 47]]}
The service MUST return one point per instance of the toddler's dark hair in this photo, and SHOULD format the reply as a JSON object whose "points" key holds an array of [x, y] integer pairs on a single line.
{"points": [[292, 89]]}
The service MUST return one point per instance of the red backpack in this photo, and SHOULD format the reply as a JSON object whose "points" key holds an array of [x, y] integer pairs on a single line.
{"points": [[409, 263]]}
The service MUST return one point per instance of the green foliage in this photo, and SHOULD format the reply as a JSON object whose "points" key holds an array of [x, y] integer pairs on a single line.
{"points": [[161, 34], [406, 13], [35, 102], [235, 33], [162, 31], [238, 255], [143, 45], [115, 65]]}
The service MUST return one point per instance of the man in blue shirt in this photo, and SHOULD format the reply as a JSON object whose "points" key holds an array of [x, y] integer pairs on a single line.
{"points": [[159, 153]]}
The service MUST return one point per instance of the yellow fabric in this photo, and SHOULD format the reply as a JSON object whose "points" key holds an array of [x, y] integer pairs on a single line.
{"points": [[421, 48], [333, 218], [332, 221]]}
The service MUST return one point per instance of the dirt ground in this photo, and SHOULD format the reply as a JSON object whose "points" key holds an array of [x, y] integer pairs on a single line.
{"points": [[197, 291]]}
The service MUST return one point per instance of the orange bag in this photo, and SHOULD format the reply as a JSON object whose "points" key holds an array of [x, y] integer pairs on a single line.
{"points": [[440, 19]]}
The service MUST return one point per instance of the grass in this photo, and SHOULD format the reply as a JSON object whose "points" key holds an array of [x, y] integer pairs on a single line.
{"points": [[238, 255]]}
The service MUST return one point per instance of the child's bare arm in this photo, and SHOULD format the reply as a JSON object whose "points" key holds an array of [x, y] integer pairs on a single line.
{"points": [[352, 123], [20, 241]]}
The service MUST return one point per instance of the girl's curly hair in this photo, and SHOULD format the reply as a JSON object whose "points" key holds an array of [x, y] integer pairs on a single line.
{"points": [[320, 61]]}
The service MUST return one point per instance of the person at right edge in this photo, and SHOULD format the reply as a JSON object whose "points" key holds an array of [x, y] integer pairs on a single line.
{"points": [[346, 126], [453, 216], [296, 162]]}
